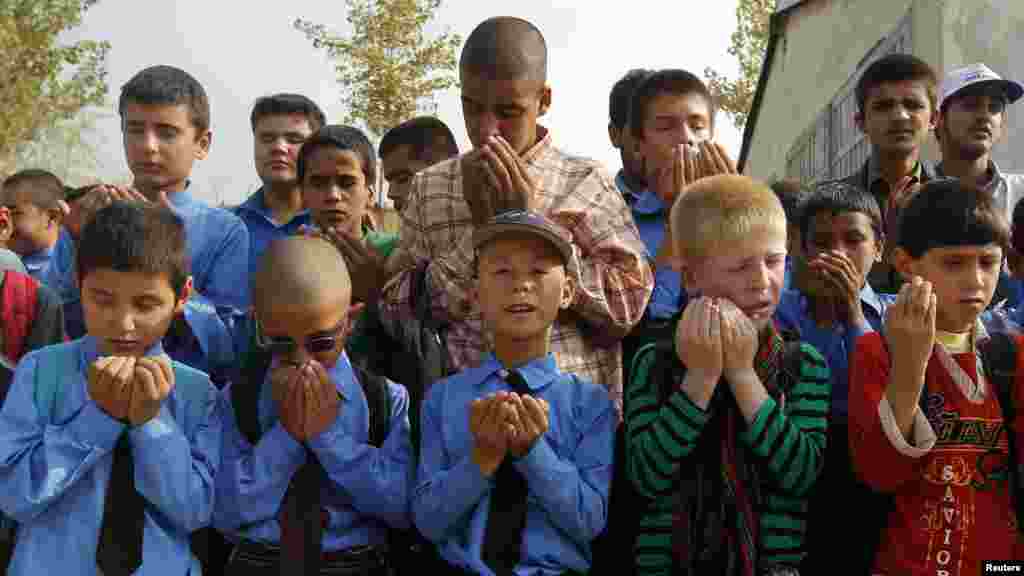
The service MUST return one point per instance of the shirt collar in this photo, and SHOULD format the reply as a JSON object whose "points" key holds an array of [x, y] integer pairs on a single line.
{"points": [[644, 202], [922, 170], [257, 203], [538, 372], [90, 350], [869, 297], [995, 175], [343, 375]]}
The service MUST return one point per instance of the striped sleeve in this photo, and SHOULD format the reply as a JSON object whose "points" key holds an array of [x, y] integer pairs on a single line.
{"points": [[659, 434], [792, 440]]}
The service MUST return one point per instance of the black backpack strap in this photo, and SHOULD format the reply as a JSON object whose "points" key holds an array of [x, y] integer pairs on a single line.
{"points": [[246, 390], [999, 358], [375, 388]]}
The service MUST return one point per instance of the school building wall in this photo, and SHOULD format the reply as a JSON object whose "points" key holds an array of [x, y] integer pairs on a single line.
{"points": [[804, 126]]}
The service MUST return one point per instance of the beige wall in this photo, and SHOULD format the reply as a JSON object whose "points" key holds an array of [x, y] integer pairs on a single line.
{"points": [[826, 39], [823, 43], [989, 31]]}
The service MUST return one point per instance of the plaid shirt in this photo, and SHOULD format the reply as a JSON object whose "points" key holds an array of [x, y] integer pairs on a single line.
{"points": [[615, 278]]}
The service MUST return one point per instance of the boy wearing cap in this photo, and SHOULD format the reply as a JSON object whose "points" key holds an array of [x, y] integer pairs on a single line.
{"points": [[972, 118], [515, 424]]}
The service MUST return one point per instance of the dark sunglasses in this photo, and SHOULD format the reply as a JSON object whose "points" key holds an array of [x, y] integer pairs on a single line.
{"points": [[318, 343]]}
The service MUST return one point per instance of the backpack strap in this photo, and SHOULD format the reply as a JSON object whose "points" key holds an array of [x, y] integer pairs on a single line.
{"points": [[18, 311], [246, 389], [48, 391], [375, 388], [999, 357]]}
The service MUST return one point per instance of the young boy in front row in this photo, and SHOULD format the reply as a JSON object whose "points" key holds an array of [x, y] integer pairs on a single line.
{"points": [[303, 488], [516, 457], [926, 424], [108, 449], [726, 426], [841, 230]]}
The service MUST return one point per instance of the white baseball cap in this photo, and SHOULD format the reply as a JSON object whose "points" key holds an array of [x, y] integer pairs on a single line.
{"points": [[978, 73]]}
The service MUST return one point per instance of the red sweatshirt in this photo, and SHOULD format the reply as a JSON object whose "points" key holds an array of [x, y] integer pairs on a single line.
{"points": [[953, 509]]}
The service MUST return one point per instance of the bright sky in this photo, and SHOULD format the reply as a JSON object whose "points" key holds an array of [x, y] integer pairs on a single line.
{"points": [[240, 52]]}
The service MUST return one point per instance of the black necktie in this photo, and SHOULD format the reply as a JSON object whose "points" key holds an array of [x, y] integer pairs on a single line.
{"points": [[301, 520], [119, 552], [506, 517]]}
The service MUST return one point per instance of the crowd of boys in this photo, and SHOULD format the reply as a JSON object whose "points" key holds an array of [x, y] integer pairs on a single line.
{"points": [[550, 370]]}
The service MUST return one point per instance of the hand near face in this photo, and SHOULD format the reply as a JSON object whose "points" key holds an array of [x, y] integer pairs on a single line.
{"points": [[368, 270], [671, 170], [479, 193], [531, 422], [507, 175], [739, 341], [910, 324], [286, 391], [154, 380], [111, 382], [698, 340], [840, 275], [322, 401]]}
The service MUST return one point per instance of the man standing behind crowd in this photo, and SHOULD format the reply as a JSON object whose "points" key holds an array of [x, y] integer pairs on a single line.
{"points": [[280, 124], [515, 166], [410, 147], [896, 111], [972, 115]]}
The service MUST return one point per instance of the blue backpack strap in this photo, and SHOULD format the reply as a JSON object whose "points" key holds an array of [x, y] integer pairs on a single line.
{"points": [[193, 387], [55, 363]]}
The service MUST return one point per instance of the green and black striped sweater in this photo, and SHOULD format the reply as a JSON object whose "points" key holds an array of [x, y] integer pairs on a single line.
{"points": [[792, 441]]}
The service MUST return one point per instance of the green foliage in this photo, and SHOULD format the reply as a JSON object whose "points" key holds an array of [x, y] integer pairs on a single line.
{"points": [[748, 44], [388, 67], [44, 83]]}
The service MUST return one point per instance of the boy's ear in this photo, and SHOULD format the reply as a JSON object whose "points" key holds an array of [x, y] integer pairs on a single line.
{"points": [[56, 214], [204, 141], [880, 247], [615, 135], [902, 262], [545, 101], [186, 293], [568, 292], [858, 119], [687, 269], [355, 308]]}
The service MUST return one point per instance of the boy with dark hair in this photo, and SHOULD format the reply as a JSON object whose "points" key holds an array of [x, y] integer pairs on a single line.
{"points": [[791, 193], [307, 486], [35, 199], [516, 457], [109, 448], [280, 124], [631, 176], [841, 229], [30, 313], [410, 147], [165, 120], [895, 110], [671, 123], [515, 165], [726, 421], [926, 391]]}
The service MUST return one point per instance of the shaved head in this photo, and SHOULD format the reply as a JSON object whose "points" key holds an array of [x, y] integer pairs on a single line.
{"points": [[301, 271], [505, 48]]}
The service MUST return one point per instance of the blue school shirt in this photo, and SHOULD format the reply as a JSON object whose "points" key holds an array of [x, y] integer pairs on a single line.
{"points": [[649, 214], [54, 475], [263, 229], [367, 488], [568, 471], [218, 250], [835, 343], [38, 263], [208, 344]]}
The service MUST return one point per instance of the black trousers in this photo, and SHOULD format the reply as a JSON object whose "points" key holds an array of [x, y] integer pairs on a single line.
{"points": [[255, 559]]}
